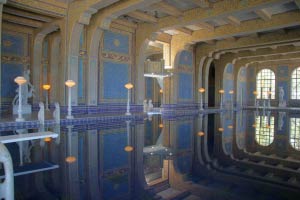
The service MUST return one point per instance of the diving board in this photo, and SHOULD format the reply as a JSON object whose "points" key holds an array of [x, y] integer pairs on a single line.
{"points": [[27, 136]]}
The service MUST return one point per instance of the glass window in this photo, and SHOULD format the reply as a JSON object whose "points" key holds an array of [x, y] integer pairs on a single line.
{"points": [[264, 132], [295, 90], [265, 83], [295, 133]]}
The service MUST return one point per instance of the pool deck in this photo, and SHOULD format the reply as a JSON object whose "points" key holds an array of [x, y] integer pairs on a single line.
{"points": [[7, 121]]}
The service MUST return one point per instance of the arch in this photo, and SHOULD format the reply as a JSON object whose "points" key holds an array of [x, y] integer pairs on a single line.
{"points": [[73, 59], [241, 83], [200, 77], [206, 76], [265, 82], [264, 131], [92, 91], [37, 59], [295, 82], [294, 137], [241, 129], [211, 86], [55, 68], [200, 72], [227, 135], [228, 84], [140, 81]]}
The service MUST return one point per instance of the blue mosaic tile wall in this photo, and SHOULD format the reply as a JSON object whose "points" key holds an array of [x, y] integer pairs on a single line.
{"points": [[114, 80], [185, 86], [14, 55], [186, 58], [114, 155], [185, 77], [9, 71], [116, 186], [149, 88], [184, 136], [12, 44], [116, 42], [115, 67]]}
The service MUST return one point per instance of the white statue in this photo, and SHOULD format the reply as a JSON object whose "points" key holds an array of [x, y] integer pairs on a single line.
{"points": [[282, 102], [56, 113], [41, 113], [150, 105], [24, 148], [27, 92], [145, 106]]}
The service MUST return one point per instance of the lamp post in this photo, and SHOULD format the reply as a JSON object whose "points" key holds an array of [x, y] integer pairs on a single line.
{"points": [[201, 90], [128, 148], [255, 93], [128, 86], [221, 100], [20, 80], [70, 84], [70, 158], [47, 87], [231, 92]]}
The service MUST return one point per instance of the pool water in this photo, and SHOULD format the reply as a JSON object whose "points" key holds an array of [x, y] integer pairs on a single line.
{"points": [[228, 155]]}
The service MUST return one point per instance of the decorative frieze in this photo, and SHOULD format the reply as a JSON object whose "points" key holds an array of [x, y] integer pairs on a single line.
{"points": [[116, 57], [15, 59]]}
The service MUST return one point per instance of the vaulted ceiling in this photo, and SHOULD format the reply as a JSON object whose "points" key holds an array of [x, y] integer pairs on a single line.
{"points": [[36, 13]]}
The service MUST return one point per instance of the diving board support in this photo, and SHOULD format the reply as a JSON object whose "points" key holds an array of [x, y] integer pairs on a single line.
{"points": [[7, 186], [27, 136], [33, 168]]}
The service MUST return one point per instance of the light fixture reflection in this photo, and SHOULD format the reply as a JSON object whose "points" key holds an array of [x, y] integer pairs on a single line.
{"points": [[201, 90], [221, 129], [128, 148], [46, 87], [200, 133], [48, 139], [70, 159]]}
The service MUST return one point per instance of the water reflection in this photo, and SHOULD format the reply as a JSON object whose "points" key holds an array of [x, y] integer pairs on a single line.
{"points": [[141, 159]]}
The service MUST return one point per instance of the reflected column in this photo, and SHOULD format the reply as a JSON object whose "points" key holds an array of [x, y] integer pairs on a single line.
{"points": [[140, 176], [93, 164], [72, 174]]}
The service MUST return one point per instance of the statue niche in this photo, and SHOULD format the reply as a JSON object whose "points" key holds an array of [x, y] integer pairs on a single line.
{"points": [[27, 92]]}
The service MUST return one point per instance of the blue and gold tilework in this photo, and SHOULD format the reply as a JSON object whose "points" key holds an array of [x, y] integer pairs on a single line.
{"points": [[115, 66], [185, 77]]}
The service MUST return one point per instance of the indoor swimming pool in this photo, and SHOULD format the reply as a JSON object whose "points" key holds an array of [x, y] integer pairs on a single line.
{"points": [[229, 155]]}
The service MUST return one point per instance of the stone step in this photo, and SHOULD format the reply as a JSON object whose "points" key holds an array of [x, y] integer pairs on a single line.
{"points": [[159, 187], [173, 194]]}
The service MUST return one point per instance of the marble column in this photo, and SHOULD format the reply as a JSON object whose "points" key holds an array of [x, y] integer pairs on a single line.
{"points": [[1, 8]]}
